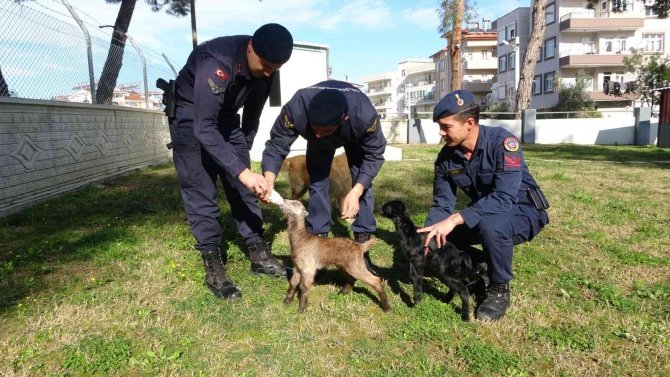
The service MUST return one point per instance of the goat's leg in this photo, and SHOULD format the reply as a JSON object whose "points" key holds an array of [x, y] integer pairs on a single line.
{"points": [[305, 284], [458, 286], [349, 282], [360, 272], [416, 275], [292, 285], [465, 299]]}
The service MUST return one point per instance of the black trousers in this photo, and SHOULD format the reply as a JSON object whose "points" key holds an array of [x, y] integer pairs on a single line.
{"points": [[198, 174]]}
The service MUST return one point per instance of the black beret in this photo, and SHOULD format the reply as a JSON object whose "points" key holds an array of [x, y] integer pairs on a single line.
{"points": [[273, 43], [327, 108], [453, 103]]}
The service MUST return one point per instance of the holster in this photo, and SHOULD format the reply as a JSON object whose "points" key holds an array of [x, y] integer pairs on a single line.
{"points": [[169, 97], [537, 197]]}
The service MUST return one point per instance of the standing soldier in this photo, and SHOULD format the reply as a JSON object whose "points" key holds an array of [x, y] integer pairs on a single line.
{"points": [[331, 114], [507, 206], [211, 142]]}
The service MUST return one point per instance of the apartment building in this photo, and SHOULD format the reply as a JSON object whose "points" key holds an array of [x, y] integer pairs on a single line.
{"points": [[513, 31], [591, 44], [404, 93], [478, 61]]}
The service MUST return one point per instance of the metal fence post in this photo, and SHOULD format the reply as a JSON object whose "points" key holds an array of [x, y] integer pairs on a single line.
{"points": [[89, 50], [144, 71]]}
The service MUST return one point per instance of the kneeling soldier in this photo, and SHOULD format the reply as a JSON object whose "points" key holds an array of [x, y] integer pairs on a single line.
{"points": [[507, 206]]}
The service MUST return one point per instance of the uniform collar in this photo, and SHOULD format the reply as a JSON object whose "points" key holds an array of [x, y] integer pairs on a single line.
{"points": [[242, 65], [481, 138]]}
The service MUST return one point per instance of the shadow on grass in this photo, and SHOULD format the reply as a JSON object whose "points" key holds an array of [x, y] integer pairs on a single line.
{"points": [[80, 226]]}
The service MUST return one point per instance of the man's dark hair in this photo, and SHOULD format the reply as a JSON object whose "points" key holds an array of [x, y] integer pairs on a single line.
{"points": [[472, 112]]}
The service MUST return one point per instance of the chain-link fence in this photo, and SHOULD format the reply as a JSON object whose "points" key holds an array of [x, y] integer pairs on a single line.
{"points": [[51, 51]]}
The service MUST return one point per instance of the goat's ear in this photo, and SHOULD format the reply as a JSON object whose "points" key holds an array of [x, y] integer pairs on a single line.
{"points": [[305, 213]]}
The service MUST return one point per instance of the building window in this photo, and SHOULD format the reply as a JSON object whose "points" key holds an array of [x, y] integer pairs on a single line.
{"points": [[441, 64], [502, 64], [403, 73], [649, 12], [501, 35], [549, 82], [511, 60], [537, 84], [511, 31], [442, 84], [550, 14], [549, 48], [653, 42], [486, 54]]}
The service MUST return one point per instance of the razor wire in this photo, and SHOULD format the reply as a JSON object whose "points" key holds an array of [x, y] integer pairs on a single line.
{"points": [[43, 55]]}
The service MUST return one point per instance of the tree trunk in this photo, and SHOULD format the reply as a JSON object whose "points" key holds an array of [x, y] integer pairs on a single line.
{"points": [[110, 72], [4, 88], [455, 45], [524, 89]]}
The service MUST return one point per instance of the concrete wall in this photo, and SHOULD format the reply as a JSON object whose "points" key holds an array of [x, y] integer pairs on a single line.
{"points": [[47, 148], [585, 131]]}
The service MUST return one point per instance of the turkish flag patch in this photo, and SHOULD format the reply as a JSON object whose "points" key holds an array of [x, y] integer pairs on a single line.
{"points": [[512, 162], [220, 73]]}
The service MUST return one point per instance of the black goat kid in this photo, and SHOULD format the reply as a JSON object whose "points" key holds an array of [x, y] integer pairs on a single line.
{"points": [[450, 265]]}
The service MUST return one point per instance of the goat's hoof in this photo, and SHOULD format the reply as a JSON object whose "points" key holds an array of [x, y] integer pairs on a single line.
{"points": [[345, 291], [301, 310], [386, 308], [417, 301], [288, 300]]}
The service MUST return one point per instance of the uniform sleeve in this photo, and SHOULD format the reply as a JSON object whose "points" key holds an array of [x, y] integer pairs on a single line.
{"points": [[444, 197], [253, 107], [373, 146], [282, 136], [211, 80], [506, 183]]}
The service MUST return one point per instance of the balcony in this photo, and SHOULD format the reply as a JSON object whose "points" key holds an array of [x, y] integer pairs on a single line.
{"points": [[380, 91], [613, 91], [600, 21], [579, 59], [477, 64], [477, 87]]}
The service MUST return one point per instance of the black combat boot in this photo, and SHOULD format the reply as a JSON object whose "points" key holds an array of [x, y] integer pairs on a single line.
{"points": [[262, 260], [216, 278], [363, 238], [495, 304]]}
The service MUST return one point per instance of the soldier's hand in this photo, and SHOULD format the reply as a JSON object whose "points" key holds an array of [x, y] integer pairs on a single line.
{"points": [[270, 182], [254, 182], [441, 230], [351, 202]]}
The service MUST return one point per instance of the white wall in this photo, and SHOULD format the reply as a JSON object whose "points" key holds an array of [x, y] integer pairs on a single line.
{"points": [[615, 129], [306, 67], [588, 131]]}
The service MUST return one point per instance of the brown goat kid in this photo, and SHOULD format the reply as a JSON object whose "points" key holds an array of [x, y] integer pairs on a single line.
{"points": [[310, 253], [298, 178]]}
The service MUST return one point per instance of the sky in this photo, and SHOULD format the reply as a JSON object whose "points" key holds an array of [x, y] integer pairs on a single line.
{"points": [[364, 36]]}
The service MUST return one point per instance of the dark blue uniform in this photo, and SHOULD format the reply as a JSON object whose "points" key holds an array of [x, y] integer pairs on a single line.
{"points": [[501, 213], [210, 141], [360, 135]]}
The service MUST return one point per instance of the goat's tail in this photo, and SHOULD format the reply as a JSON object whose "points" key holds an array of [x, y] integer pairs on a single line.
{"points": [[365, 246]]}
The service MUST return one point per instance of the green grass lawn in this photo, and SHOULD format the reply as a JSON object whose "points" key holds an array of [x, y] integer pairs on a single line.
{"points": [[105, 281]]}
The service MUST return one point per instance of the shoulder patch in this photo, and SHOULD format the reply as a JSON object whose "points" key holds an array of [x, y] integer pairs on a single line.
{"points": [[287, 122], [216, 89], [373, 125], [511, 144], [221, 74], [512, 161]]}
